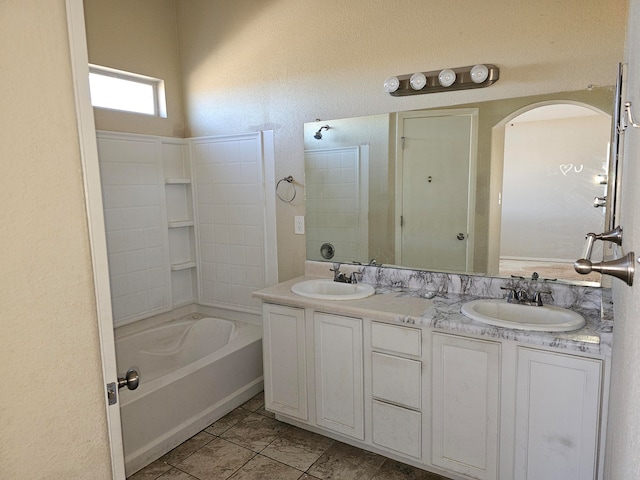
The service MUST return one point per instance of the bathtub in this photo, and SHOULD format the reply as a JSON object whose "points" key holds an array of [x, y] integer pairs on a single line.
{"points": [[193, 370]]}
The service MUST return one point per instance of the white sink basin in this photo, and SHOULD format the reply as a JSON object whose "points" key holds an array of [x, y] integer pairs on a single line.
{"points": [[323, 289], [547, 318]]}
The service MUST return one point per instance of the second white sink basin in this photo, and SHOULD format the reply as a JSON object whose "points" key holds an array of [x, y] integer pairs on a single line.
{"points": [[323, 289], [547, 318]]}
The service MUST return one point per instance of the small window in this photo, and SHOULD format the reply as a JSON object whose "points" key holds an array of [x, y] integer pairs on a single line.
{"points": [[126, 91]]}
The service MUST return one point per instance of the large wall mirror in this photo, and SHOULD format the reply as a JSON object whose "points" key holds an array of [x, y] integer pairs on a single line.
{"points": [[504, 187]]}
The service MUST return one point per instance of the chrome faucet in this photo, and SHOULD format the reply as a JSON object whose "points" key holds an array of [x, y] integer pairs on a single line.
{"points": [[341, 277], [338, 276], [520, 296]]}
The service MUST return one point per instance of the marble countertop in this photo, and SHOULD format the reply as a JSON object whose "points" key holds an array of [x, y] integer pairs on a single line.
{"points": [[442, 311]]}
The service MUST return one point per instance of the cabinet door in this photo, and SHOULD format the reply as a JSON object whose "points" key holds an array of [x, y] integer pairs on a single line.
{"points": [[465, 405], [339, 374], [285, 364], [557, 411]]}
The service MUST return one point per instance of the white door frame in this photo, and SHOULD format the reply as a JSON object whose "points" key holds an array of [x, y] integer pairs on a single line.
{"points": [[95, 218], [473, 154]]}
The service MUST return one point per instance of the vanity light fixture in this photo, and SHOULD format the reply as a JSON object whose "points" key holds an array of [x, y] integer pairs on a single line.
{"points": [[418, 81], [461, 78]]}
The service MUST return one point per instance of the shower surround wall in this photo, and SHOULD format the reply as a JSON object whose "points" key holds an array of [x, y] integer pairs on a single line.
{"points": [[337, 201], [230, 208], [135, 220], [178, 235]]}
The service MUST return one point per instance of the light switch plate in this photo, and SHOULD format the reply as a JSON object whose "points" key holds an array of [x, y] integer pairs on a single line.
{"points": [[298, 227]]}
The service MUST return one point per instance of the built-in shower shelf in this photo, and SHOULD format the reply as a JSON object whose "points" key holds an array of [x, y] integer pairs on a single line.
{"points": [[181, 223], [177, 181], [183, 266]]}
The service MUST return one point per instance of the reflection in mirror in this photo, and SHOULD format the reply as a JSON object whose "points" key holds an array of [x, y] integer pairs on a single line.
{"points": [[504, 187], [554, 166]]}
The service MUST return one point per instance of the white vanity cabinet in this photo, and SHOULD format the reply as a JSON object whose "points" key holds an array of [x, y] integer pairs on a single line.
{"points": [[339, 374], [461, 405], [285, 360], [465, 394], [557, 416]]}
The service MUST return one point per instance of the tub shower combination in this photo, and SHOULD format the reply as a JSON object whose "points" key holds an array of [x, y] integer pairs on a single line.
{"points": [[193, 370]]}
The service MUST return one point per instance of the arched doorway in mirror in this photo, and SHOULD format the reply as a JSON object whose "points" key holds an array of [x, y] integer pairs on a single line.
{"points": [[551, 164]]}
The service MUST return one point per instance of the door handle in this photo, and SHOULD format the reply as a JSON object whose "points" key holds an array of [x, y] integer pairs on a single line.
{"points": [[599, 202], [131, 379], [461, 236]]}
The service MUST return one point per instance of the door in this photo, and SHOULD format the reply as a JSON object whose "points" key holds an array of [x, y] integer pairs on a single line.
{"points": [[339, 374], [285, 360], [435, 189], [465, 406], [95, 217], [557, 416]]}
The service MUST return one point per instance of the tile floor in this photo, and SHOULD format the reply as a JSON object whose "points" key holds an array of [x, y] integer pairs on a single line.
{"points": [[250, 444]]}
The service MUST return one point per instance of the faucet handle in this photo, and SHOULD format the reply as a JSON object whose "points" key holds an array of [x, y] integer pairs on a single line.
{"points": [[337, 274], [511, 294], [537, 296], [353, 278]]}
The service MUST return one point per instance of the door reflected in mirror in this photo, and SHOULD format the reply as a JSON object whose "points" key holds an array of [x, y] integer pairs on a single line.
{"points": [[505, 187], [435, 166]]}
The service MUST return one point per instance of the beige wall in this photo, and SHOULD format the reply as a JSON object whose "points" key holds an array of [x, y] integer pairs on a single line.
{"points": [[52, 408], [137, 37], [277, 64], [623, 436]]}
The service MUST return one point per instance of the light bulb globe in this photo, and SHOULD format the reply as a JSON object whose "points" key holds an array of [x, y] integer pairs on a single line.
{"points": [[447, 77], [479, 73], [391, 84], [418, 81]]}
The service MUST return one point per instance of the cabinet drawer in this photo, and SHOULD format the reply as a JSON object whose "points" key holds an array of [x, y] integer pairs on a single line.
{"points": [[397, 429], [402, 340], [396, 380]]}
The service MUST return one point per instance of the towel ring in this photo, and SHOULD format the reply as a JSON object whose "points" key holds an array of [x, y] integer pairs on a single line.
{"points": [[289, 180]]}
